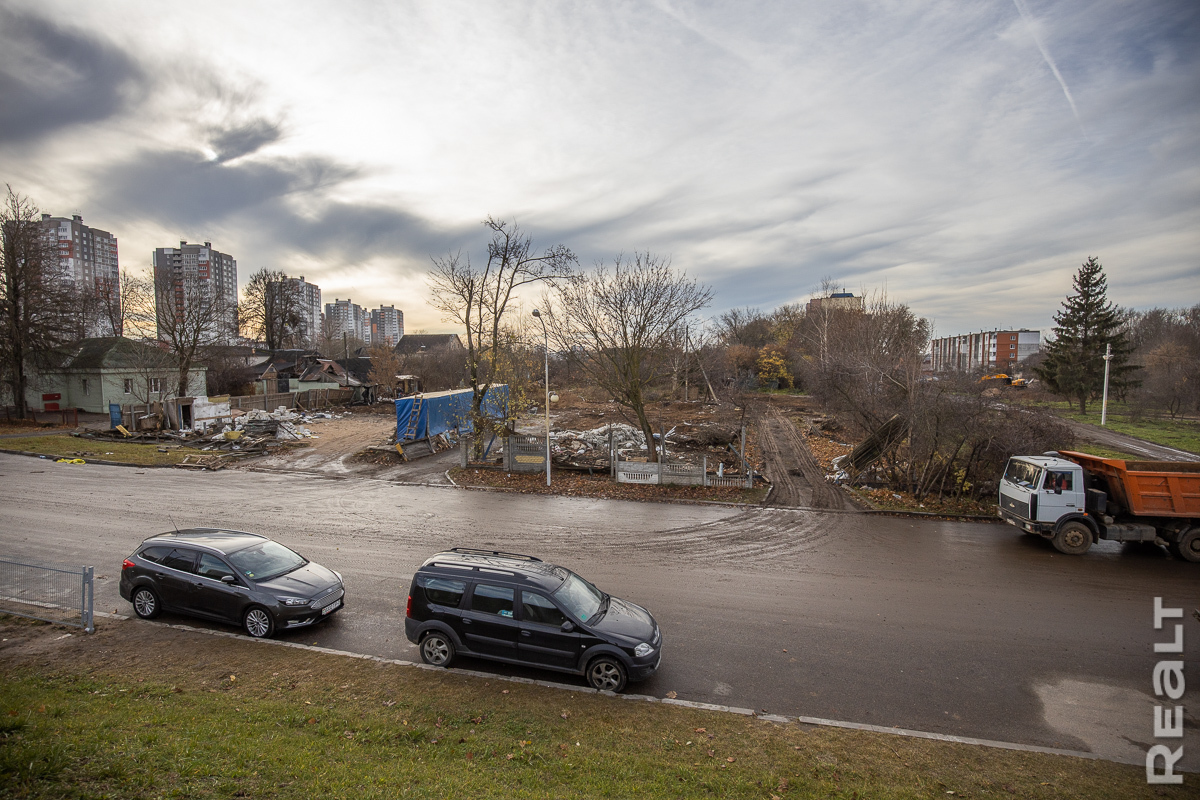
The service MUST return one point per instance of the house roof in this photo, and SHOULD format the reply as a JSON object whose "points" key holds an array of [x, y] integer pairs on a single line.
{"points": [[115, 352], [412, 342]]}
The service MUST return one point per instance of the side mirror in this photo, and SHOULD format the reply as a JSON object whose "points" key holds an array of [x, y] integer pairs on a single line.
{"points": [[567, 626], [228, 580], [1058, 490]]}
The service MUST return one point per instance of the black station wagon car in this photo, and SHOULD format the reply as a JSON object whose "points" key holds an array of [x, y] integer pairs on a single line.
{"points": [[229, 576], [521, 610]]}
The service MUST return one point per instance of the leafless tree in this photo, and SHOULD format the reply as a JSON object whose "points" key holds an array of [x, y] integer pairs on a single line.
{"points": [[187, 318], [271, 311], [624, 320], [34, 298], [385, 366], [478, 297]]}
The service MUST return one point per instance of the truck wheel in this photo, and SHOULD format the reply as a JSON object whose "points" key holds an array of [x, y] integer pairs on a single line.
{"points": [[1073, 538], [1188, 546]]}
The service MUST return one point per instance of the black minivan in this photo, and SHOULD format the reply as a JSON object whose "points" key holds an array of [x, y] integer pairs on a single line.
{"points": [[230, 576], [521, 610]]}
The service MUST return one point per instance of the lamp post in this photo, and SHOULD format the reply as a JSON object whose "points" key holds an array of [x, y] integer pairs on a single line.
{"points": [[546, 336], [1104, 404]]}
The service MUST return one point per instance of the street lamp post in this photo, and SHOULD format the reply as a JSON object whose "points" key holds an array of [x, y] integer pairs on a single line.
{"points": [[1104, 403], [546, 336]]}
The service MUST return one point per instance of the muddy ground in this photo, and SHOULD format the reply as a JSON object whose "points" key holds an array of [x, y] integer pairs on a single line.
{"points": [[702, 431]]}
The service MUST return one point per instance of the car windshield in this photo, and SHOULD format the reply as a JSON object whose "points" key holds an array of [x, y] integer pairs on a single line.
{"points": [[1022, 473], [579, 597], [267, 560]]}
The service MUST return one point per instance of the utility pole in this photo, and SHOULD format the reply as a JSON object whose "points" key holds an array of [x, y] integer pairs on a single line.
{"points": [[1104, 403]]}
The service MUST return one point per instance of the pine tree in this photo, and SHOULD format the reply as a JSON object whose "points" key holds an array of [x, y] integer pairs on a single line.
{"points": [[1086, 324]]}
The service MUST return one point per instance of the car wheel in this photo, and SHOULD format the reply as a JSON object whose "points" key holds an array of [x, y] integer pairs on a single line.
{"points": [[1074, 539], [1188, 546], [437, 649], [606, 674], [145, 603], [258, 622]]}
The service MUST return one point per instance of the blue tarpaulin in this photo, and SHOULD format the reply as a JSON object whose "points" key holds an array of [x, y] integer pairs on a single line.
{"points": [[445, 411]]}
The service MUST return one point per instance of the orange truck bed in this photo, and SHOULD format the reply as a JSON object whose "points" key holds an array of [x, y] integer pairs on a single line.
{"points": [[1147, 488]]}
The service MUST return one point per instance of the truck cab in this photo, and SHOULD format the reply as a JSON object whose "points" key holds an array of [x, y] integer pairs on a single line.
{"points": [[1036, 492]]}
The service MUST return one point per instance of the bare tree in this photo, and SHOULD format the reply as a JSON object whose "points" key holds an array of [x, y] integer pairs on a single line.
{"points": [[187, 317], [116, 300], [34, 298], [477, 298], [385, 366], [270, 311], [625, 319]]}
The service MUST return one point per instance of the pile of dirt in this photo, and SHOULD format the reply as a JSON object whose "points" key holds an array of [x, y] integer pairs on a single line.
{"points": [[581, 484]]}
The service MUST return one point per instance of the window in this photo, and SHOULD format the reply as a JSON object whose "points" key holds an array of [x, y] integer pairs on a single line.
{"points": [[155, 384], [1057, 481], [180, 559], [213, 567], [493, 600], [84, 382], [129, 386], [443, 592], [155, 554], [538, 608]]}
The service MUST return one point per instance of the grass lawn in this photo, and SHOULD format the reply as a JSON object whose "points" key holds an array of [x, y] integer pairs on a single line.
{"points": [[1181, 433], [64, 446], [141, 711]]}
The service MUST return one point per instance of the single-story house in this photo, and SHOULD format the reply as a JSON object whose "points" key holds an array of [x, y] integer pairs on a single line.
{"points": [[93, 373]]}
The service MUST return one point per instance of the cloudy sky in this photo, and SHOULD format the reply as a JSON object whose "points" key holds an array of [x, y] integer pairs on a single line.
{"points": [[964, 157]]}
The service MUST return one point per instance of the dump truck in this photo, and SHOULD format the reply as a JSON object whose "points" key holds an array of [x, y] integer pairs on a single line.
{"points": [[1075, 499]]}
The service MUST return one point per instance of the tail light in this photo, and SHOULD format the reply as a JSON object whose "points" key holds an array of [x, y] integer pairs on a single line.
{"points": [[408, 607], [128, 565]]}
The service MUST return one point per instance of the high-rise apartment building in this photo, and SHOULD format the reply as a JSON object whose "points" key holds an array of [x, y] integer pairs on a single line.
{"points": [[387, 325], [343, 316], [193, 277], [309, 296], [87, 258]]}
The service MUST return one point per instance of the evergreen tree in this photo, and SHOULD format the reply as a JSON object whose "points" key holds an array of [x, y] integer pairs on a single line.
{"points": [[1086, 324]]}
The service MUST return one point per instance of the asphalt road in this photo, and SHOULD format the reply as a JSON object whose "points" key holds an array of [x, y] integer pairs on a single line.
{"points": [[966, 629]]}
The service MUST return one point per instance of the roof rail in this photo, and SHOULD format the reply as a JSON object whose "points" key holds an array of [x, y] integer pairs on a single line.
{"points": [[471, 551]]}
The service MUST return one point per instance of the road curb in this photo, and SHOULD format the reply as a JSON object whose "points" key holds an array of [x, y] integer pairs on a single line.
{"points": [[778, 719]]}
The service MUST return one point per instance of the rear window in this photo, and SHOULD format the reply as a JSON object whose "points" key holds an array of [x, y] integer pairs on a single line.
{"points": [[180, 559], [155, 554], [442, 591]]}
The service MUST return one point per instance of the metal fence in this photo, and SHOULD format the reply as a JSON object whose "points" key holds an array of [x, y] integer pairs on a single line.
{"points": [[64, 595]]}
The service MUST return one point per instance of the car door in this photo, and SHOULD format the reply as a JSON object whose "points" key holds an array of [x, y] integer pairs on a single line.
{"points": [[489, 624], [173, 578], [441, 601], [214, 597], [542, 639], [1058, 496]]}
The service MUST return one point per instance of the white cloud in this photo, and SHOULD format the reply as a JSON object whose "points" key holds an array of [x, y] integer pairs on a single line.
{"points": [[763, 145]]}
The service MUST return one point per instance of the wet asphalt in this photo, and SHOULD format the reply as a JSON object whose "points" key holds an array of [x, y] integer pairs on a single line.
{"points": [[968, 629]]}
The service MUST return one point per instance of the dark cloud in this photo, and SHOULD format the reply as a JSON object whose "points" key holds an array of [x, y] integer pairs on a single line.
{"points": [[182, 188], [244, 139], [281, 204], [52, 77]]}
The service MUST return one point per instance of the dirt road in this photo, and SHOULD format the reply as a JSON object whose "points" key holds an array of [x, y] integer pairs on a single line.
{"points": [[797, 478]]}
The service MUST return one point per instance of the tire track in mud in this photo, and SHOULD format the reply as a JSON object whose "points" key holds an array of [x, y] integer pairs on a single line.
{"points": [[786, 454]]}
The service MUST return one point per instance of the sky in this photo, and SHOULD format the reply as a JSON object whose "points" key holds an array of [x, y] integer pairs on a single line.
{"points": [[962, 158]]}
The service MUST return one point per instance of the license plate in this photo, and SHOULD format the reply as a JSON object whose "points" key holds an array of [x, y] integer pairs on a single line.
{"points": [[332, 608]]}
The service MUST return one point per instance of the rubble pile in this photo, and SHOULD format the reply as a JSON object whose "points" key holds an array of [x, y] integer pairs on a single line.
{"points": [[589, 449]]}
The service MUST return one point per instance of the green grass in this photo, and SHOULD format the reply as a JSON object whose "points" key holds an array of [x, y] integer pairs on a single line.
{"points": [[233, 718], [89, 449], [1180, 433]]}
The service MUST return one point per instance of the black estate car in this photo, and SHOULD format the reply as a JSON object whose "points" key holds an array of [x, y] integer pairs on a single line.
{"points": [[521, 610], [229, 576]]}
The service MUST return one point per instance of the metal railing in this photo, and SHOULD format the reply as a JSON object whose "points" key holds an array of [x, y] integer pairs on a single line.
{"points": [[64, 595]]}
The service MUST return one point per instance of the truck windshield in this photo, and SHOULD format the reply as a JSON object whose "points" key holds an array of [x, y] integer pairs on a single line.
{"points": [[1022, 473]]}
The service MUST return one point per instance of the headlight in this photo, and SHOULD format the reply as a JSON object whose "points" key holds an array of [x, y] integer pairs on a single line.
{"points": [[643, 649], [293, 601]]}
